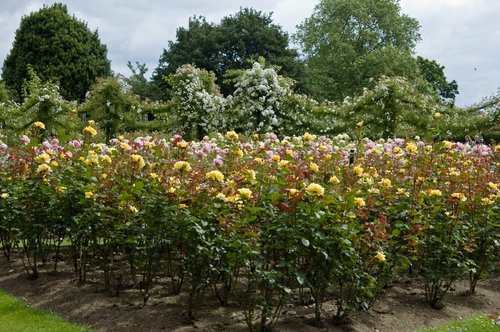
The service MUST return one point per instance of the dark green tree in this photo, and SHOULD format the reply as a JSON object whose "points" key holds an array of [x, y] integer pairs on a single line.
{"points": [[248, 34], [349, 44], [59, 48], [433, 73], [138, 84]]}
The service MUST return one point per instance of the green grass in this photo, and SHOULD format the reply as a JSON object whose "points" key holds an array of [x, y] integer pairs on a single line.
{"points": [[476, 324], [16, 316]]}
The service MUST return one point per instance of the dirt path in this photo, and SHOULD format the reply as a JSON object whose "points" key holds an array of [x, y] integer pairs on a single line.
{"points": [[402, 307]]}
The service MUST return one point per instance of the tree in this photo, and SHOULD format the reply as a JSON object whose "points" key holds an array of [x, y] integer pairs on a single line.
{"points": [[433, 73], [247, 35], [59, 48], [138, 84], [347, 43]]}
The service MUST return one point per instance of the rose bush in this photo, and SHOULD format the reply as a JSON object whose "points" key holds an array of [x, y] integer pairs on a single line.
{"points": [[256, 219]]}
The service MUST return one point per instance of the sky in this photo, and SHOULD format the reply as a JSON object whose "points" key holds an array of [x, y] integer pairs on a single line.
{"points": [[462, 35]]}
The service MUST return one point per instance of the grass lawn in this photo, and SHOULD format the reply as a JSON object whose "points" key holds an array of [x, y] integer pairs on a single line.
{"points": [[477, 324], [16, 316]]}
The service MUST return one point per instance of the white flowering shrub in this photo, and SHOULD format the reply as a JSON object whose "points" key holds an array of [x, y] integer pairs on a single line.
{"points": [[257, 104], [198, 106]]}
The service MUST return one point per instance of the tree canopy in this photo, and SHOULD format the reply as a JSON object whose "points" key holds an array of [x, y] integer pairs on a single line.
{"points": [[433, 73], [59, 48], [347, 43], [248, 34]]}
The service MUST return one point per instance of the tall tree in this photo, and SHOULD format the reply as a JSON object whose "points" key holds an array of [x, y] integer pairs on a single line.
{"points": [[59, 48], [248, 34], [347, 43], [433, 73]]}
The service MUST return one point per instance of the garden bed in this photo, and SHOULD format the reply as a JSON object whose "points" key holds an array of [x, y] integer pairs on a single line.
{"points": [[402, 307]]}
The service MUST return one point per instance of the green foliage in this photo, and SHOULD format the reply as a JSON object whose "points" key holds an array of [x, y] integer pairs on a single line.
{"points": [[138, 84], [229, 45], [42, 103], [111, 107], [59, 48], [394, 107], [434, 74], [4, 94], [348, 42]]}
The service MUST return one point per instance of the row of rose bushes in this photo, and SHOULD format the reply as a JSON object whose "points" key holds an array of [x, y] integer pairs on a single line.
{"points": [[255, 219]]}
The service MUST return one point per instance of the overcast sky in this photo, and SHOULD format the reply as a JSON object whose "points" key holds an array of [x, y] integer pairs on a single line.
{"points": [[462, 35]]}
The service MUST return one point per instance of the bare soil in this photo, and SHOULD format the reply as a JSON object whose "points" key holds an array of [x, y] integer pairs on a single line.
{"points": [[401, 308]]}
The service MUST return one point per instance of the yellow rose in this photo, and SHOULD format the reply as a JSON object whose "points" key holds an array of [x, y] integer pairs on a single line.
{"points": [[358, 170], [182, 166], [435, 192], [216, 175], [308, 137], [232, 135], [386, 183], [359, 201], [39, 124], [125, 146], [459, 196], [313, 167], [411, 148], [334, 180], [138, 160], [245, 193], [315, 189], [44, 169], [380, 256], [89, 130]]}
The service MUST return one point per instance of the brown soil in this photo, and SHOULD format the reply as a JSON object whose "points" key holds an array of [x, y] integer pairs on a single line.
{"points": [[402, 307]]}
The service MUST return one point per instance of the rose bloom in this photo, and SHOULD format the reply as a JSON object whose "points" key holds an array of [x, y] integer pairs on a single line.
{"points": [[125, 146], [334, 180], [308, 137], [314, 167], [435, 192], [232, 135], [380, 256], [89, 130], [138, 160], [182, 166], [459, 196], [44, 169], [216, 175], [385, 182], [245, 193], [411, 148], [359, 201], [315, 189], [39, 124]]}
